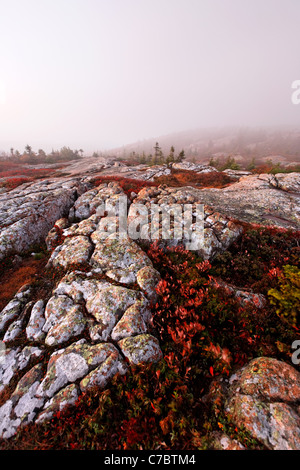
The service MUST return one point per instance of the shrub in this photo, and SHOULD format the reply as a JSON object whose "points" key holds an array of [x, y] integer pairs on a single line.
{"points": [[179, 178], [27, 174], [204, 333], [13, 183], [250, 261], [127, 184], [14, 277], [286, 297], [273, 169]]}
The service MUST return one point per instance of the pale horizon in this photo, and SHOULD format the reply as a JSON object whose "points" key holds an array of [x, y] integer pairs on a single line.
{"points": [[99, 74]]}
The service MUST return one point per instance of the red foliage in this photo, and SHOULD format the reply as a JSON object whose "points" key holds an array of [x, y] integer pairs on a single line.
{"points": [[179, 178], [13, 183], [194, 319], [262, 169], [250, 261], [30, 172], [136, 430], [204, 333], [128, 185], [22, 174], [13, 279], [6, 165]]}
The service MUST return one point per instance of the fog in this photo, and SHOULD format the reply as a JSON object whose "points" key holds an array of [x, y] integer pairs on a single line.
{"points": [[97, 74]]}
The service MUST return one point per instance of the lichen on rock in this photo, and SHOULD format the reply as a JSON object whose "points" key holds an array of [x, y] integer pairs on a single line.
{"points": [[141, 348], [263, 397]]}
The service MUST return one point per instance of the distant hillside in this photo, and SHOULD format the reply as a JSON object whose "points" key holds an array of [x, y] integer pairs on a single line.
{"points": [[262, 144]]}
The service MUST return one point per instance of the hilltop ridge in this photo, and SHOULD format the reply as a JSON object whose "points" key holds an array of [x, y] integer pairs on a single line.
{"points": [[86, 312]]}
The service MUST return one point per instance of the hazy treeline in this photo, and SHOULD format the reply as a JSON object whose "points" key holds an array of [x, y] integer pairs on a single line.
{"points": [[157, 157], [32, 157], [202, 144]]}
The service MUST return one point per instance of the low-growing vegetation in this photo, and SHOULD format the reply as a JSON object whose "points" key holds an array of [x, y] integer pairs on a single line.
{"points": [[13, 174], [16, 271], [179, 178], [127, 184], [286, 297], [205, 334], [256, 167]]}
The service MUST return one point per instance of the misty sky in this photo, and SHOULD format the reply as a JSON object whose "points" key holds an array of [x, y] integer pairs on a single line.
{"points": [[96, 74]]}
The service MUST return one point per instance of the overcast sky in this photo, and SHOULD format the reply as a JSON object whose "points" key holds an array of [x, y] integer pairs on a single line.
{"points": [[96, 74]]}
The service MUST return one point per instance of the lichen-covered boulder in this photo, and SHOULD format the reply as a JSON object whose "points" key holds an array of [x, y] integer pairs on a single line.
{"points": [[72, 363], [289, 182], [15, 329], [88, 203], [220, 441], [70, 326], [119, 258], [28, 212], [263, 397], [84, 228], [210, 244], [141, 348], [53, 237], [81, 209], [209, 232], [59, 402], [74, 251], [99, 377], [78, 286], [64, 320], [36, 322], [14, 360], [108, 305], [56, 308], [14, 308], [132, 323], [21, 408], [147, 279]]}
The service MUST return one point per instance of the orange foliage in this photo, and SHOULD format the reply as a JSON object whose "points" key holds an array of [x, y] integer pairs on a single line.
{"points": [[127, 184], [179, 178], [17, 174], [13, 183], [14, 278]]}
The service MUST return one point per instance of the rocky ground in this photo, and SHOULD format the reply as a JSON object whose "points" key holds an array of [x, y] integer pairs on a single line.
{"points": [[95, 320]]}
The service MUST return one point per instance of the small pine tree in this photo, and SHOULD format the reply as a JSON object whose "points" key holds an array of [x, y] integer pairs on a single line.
{"points": [[252, 165], [213, 162], [171, 157], [230, 164], [143, 158], [157, 150], [180, 157]]}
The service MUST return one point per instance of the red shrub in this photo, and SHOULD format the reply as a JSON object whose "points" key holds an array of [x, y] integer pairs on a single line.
{"points": [[179, 178], [13, 183], [13, 279], [128, 185], [27, 175]]}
